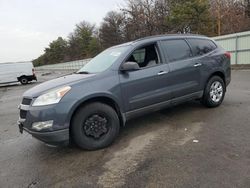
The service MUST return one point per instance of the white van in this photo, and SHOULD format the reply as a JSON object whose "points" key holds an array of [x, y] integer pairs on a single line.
{"points": [[17, 72]]}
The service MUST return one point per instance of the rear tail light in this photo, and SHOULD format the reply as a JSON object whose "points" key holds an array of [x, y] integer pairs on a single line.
{"points": [[228, 55]]}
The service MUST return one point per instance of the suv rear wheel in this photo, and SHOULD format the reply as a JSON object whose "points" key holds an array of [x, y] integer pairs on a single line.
{"points": [[214, 92], [95, 126]]}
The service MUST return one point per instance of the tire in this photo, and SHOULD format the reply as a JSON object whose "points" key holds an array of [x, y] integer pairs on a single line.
{"points": [[88, 126], [23, 80], [214, 92]]}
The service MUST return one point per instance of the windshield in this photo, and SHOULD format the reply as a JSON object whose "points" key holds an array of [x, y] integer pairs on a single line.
{"points": [[103, 61]]}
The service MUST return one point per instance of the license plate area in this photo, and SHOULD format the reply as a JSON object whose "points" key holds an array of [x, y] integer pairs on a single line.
{"points": [[20, 126]]}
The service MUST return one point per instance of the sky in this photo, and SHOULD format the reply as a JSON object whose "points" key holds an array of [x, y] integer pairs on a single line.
{"points": [[28, 26]]}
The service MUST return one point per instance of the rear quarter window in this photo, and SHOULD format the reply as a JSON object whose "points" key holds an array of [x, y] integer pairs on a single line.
{"points": [[201, 46]]}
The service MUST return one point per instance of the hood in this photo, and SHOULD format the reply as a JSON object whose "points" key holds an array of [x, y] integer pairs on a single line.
{"points": [[55, 83]]}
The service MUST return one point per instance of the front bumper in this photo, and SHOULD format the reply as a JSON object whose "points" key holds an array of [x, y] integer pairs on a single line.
{"points": [[32, 77], [59, 137], [58, 134]]}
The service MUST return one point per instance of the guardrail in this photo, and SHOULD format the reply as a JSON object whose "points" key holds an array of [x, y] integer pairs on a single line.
{"points": [[67, 66]]}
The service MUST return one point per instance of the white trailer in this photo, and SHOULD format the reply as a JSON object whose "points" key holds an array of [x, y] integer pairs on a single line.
{"points": [[17, 72]]}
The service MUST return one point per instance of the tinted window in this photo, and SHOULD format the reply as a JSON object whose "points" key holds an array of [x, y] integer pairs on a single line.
{"points": [[176, 49], [201, 46]]}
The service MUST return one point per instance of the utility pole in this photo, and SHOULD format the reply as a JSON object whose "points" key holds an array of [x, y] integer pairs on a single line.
{"points": [[218, 10], [247, 8]]}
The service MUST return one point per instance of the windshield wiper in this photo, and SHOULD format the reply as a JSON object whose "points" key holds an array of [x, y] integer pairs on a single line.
{"points": [[82, 72]]}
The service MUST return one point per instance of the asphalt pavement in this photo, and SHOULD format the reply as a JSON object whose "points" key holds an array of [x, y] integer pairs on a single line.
{"points": [[183, 146]]}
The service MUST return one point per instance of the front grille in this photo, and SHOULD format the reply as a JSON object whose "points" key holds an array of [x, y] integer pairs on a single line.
{"points": [[23, 114], [26, 101]]}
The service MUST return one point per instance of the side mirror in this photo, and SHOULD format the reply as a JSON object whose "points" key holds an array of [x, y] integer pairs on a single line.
{"points": [[130, 66]]}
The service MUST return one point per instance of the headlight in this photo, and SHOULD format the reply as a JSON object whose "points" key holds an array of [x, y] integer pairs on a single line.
{"points": [[52, 97]]}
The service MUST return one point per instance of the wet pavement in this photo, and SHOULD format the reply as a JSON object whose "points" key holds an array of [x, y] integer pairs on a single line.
{"points": [[183, 146]]}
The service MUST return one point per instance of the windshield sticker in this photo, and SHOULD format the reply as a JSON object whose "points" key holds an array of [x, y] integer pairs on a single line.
{"points": [[116, 54]]}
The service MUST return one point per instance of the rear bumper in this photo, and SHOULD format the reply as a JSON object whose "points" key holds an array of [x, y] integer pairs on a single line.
{"points": [[59, 137]]}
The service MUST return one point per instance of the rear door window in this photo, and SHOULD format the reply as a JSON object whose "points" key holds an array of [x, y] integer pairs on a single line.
{"points": [[176, 49], [201, 46]]}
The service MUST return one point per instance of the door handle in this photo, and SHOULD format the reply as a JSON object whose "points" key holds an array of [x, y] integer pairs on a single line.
{"points": [[161, 73], [197, 64]]}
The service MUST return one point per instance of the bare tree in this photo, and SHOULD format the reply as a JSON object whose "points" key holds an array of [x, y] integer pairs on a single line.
{"points": [[111, 31], [145, 17], [230, 16]]}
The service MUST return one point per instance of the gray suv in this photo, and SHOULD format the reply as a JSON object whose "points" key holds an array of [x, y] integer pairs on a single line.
{"points": [[89, 106]]}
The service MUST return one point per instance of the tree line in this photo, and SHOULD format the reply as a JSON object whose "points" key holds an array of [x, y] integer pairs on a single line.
{"points": [[141, 18]]}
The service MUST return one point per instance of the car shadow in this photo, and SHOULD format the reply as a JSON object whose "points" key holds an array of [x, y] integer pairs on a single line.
{"points": [[133, 128], [156, 120], [141, 125]]}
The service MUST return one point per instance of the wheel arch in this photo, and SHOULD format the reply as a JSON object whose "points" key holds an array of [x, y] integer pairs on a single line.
{"points": [[102, 99], [219, 73], [19, 78]]}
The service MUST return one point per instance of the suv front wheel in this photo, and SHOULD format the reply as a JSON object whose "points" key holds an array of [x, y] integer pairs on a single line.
{"points": [[95, 126], [214, 92]]}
